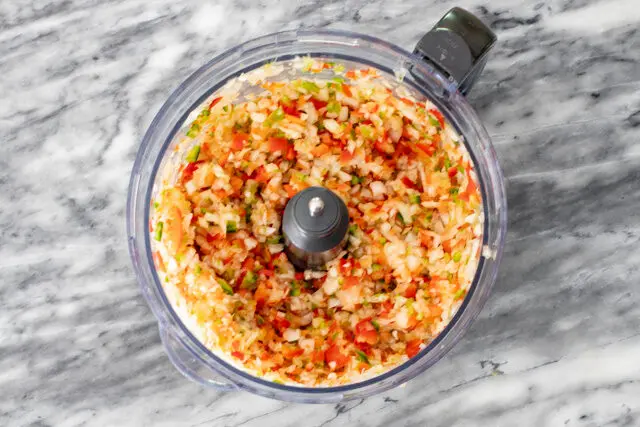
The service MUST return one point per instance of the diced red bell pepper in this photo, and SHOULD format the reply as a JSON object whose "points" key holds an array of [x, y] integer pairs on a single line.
{"points": [[239, 141], [438, 115], [387, 306], [266, 272], [278, 144], [408, 183], [366, 332], [471, 188], [290, 190], [402, 149], [384, 147], [366, 348], [411, 290], [413, 347], [344, 266], [240, 279], [317, 103], [345, 157], [290, 109], [248, 263], [333, 354], [291, 153], [317, 356], [349, 282], [425, 239], [427, 149], [212, 237], [214, 102], [317, 283], [290, 353], [281, 323], [349, 336], [188, 171], [261, 174]]}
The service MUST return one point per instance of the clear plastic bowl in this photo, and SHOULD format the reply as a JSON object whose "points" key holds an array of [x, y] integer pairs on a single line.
{"points": [[189, 356]]}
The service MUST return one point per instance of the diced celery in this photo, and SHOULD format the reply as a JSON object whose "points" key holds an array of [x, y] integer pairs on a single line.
{"points": [[192, 155], [226, 287], [159, 228]]}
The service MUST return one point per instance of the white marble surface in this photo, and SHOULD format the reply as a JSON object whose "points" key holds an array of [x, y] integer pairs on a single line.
{"points": [[559, 341]]}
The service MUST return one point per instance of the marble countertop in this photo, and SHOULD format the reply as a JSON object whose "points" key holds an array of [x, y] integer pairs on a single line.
{"points": [[558, 343]]}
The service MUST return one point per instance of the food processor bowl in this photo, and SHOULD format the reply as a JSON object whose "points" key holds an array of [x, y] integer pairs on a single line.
{"points": [[445, 64]]}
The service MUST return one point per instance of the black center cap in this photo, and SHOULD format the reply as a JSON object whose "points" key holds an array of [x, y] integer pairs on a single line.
{"points": [[314, 225]]}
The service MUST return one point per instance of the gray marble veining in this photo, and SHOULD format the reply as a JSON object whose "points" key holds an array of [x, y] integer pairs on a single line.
{"points": [[559, 341]]}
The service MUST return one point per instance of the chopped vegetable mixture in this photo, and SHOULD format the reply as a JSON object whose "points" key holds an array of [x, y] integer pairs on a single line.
{"points": [[414, 240]]}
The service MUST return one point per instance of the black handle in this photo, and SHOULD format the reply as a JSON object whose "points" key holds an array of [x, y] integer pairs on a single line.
{"points": [[457, 45]]}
